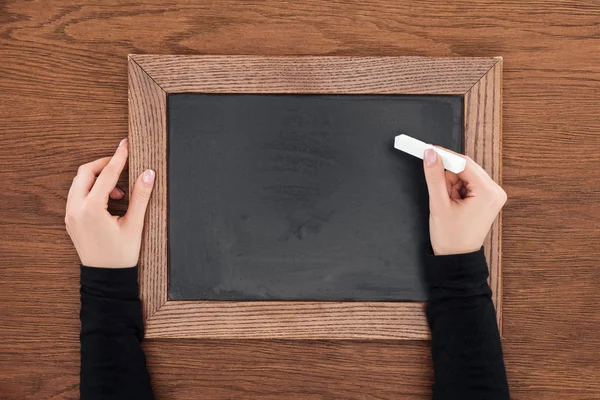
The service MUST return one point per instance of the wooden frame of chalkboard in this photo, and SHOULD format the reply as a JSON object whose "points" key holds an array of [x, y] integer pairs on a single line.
{"points": [[153, 77]]}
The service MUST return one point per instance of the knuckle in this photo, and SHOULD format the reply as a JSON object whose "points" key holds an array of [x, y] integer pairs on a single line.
{"points": [[112, 170], [497, 196], [143, 195], [111, 167], [501, 195], [70, 217], [82, 169]]}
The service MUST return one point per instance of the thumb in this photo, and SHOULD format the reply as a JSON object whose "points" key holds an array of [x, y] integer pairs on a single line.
{"points": [[139, 200], [436, 179]]}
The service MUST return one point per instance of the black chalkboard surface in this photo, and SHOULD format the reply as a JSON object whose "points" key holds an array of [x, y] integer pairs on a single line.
{"points": [[300, 197]]}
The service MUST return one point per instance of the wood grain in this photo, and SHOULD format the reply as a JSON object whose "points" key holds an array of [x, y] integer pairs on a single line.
{"points": [[483, 143], [63, 97], [148, 149], [289, 320], [243, 74], [284, 369], [327, 75]]}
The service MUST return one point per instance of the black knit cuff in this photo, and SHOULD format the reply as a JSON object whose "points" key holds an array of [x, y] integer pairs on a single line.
{"points": [[116, 283], [456, 271]]}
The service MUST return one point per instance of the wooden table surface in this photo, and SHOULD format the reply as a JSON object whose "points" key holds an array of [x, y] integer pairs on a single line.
{"points": [[63, 101]]}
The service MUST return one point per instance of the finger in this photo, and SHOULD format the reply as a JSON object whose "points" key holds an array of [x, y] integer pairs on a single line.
{"points": [[109, 176], [134, 218], [482, 172], [457, 190], [436, 180], [473, 175], [451, 180], [84, 180], [116, 194], [476, 167]]}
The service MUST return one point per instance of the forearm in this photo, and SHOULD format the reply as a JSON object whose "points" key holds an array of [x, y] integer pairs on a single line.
{"points": [[465, 342], [112, 361]]}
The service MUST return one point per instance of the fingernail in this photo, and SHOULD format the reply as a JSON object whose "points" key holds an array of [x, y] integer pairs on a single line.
{"points": [[120, 191], [430, 156], [148, 176], [123, 142]]}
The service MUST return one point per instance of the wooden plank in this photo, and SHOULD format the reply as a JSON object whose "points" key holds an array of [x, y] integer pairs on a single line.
{"points": [[289, 320], [148, 149], [285, 369], [332, 75], [483, 134]]}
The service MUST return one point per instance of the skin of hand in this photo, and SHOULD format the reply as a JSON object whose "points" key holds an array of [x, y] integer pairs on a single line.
{"points": [[462, 206], [102, 239]]}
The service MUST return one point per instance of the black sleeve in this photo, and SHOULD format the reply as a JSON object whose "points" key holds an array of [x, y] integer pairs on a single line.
{"points": [[465, 342], [113, 365]]}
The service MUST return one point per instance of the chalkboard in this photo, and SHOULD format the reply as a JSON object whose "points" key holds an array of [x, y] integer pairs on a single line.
{"points": [[275, 180], [300, 197]]}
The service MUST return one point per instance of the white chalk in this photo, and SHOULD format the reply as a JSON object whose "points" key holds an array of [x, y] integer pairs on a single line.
{"points": [[416, 148]]}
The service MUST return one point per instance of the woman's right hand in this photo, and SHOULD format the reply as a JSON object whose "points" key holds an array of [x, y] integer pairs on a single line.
{"points": [[462, 206], [102, 239]]}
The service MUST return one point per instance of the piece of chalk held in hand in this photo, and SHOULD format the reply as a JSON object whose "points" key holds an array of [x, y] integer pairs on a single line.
{"points": [[416, 148]]}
